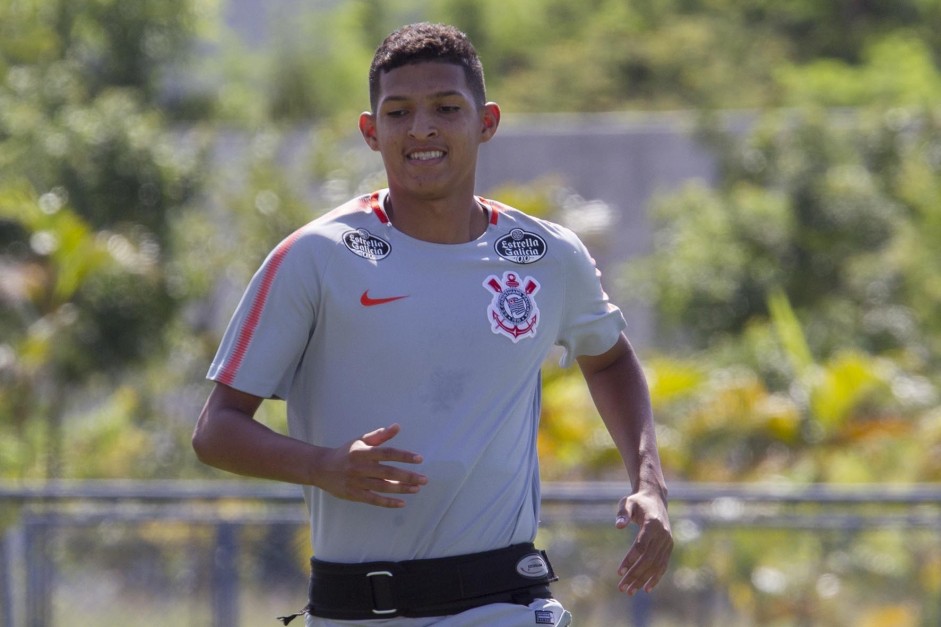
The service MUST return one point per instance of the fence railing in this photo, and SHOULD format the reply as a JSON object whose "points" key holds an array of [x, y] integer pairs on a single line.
{"points": [[34, 512]]}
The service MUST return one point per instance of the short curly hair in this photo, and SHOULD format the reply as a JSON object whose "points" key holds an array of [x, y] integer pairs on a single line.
{"points": [[425, 41]]}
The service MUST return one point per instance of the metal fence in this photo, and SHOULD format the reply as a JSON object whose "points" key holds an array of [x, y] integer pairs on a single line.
{"points": [[79, 535]]}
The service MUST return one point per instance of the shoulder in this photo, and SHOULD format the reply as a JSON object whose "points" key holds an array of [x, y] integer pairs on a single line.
{"points": [[355, 216], [353, 212], [518, 224]]}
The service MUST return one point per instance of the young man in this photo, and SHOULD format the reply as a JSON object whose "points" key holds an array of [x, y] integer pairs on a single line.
{"points": [[406, 330]]}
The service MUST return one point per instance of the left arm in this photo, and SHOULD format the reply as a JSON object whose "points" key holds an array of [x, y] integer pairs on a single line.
{"points": [[619, 390]]}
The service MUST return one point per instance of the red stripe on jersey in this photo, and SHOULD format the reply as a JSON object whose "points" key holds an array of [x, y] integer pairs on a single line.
{"points": [[374, 203], [494, 212], [247, 332]]}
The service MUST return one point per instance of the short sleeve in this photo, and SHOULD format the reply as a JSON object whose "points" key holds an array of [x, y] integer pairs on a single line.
{"points": [[591, 323], [269, 331]]}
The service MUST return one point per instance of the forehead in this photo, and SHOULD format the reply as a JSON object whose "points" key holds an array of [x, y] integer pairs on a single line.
{"points": [[423, 80]]}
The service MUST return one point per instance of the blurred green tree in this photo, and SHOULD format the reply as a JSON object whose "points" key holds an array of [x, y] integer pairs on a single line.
{"points": [[833, 209], [799, 286], [91, 177], [597, 55]]}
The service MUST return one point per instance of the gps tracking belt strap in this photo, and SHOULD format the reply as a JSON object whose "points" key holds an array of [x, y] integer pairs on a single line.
{"points": [[429, 587]]}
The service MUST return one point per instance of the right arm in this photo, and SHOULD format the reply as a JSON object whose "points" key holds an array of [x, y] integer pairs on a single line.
{"points": [[228, 437]]}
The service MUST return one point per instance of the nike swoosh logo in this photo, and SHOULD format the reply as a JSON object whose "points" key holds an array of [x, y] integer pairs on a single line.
{"points": [[366, 301]]}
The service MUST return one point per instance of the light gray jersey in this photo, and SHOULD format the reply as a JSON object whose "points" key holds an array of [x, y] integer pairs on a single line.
{"points": [[357, 325]]}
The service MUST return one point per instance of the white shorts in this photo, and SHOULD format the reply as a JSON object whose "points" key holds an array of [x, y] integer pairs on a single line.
{"points": [[539, 612]]}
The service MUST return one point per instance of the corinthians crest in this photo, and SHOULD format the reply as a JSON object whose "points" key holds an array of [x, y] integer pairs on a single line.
{"points": [[513, 311]]}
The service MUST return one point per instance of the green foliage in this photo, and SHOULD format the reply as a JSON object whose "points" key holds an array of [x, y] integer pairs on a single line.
{"points": [[724, 252], [601, 55], [110, 153], [897, 69], [760, 407], [82, 133], [767, 404], [775, 577], [320, 70], [572, 439], [104, 43], [90, 180], [817, 206]]}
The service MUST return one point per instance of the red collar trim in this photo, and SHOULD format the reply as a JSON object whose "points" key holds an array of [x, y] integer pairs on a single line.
{"points": [[494, 212], [384, 217], [377, 208]]}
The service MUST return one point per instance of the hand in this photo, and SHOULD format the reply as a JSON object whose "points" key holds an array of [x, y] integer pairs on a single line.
{"points": [[355, 471], [647, 559]]}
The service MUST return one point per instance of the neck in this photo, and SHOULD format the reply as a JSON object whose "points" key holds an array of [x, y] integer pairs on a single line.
{"points": [[446, 221]]}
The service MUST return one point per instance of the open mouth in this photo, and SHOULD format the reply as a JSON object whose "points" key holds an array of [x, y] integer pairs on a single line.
{"points": [[426, 155]]}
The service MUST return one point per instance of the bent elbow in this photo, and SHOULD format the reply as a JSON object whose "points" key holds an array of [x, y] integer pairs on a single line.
{"points": [[202, 446], [199, 447]]}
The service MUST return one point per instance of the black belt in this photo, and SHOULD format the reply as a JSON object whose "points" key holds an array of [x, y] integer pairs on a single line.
{"points": [[429, 587]]}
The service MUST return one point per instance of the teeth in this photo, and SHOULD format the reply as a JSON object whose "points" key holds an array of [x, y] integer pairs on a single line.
{"points": [[426, 155]]}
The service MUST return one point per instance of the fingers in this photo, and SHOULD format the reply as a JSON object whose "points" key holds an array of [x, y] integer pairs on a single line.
{"points": [[645, 563], [361, 472], [370, 488], [367, 480], [381, 435], [368, 468], [371, 450], [372, 492], [647, 560]]}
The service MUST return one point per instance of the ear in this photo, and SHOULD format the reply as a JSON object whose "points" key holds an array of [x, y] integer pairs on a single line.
{"points": [[367, 126], [490, 120]]}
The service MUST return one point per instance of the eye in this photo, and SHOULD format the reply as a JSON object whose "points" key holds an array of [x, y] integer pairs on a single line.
{"points": [[396, 113], [449, 108]]}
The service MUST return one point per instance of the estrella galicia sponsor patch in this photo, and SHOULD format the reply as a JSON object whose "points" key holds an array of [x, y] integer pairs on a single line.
{"points": [[532, 566], [545, 617], [513, 311], [366, 245], [521, 246]]}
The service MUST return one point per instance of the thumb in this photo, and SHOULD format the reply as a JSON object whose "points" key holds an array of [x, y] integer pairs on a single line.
{"points": [[381, 435], [625, 513]]}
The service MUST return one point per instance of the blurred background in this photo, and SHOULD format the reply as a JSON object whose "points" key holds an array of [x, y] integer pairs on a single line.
{"points": [[759, 182]]}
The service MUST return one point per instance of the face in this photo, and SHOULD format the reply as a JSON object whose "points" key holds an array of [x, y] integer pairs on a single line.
{"points": [[428, 129]]}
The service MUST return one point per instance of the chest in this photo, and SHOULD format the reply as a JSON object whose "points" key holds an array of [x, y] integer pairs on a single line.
{"points": [[463, 302]]}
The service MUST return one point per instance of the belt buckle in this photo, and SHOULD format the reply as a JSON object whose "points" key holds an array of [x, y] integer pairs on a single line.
{"points": [[386, 591]]}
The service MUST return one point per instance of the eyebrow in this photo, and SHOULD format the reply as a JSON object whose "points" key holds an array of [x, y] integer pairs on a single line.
{"points": [[435, 96]]}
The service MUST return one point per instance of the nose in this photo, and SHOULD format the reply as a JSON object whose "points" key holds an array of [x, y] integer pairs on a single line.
{"points": [[423, 126]]}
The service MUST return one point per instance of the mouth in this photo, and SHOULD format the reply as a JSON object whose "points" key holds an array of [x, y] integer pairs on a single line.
{"points": [[425, 155]]}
